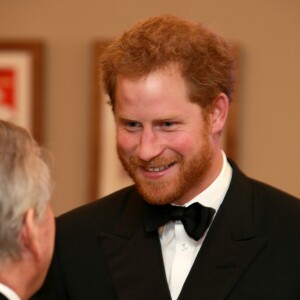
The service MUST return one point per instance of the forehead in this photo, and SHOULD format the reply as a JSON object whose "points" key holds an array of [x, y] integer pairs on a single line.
{"points": [[161, 84], [158, 94]]}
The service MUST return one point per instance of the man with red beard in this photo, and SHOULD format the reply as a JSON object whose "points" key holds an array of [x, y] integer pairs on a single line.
{"points": [[193, 226]]}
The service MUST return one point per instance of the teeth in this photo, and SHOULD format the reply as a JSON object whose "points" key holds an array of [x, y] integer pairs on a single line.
{"points": [[157, 169]]}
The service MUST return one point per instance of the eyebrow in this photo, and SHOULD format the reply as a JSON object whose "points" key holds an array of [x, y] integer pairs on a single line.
{"points": [[165, 118]]}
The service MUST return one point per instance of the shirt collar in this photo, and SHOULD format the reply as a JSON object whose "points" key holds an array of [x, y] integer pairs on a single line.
{"points": [[8, 292], [213, 195]]}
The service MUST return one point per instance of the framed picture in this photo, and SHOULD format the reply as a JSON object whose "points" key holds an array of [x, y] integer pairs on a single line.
{"points": [[21, 84], [106, 172]]}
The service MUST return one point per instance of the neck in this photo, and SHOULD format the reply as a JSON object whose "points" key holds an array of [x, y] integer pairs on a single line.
{"points": [[15, 276]]}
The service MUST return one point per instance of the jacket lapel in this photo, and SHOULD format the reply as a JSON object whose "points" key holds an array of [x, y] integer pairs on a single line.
{"points": [[229, 247], [135, 260], [134, 257]]}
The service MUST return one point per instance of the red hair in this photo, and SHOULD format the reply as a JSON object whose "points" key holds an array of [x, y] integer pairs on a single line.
{"points": [[205, 60]]}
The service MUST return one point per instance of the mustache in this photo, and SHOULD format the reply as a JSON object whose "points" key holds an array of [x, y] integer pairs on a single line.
{"points": [[155, 162]]}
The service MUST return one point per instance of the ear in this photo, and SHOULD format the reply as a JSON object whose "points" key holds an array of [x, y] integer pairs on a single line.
{"points": [[219, 112], [29, 235]]}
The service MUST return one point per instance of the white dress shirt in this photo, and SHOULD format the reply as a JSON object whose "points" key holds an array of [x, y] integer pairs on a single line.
{"points": [[8, 292], [178, 249]]}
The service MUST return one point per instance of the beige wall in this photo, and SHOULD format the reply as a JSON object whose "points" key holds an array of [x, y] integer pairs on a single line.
{"points": [[267, 31]]}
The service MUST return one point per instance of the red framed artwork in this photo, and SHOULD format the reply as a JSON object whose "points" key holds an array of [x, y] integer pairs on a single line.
{"points": [[106, 173], [21, 84]]}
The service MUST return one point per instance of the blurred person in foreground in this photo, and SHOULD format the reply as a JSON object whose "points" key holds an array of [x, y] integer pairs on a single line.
{"points": [[193, 226], [26, 219]]}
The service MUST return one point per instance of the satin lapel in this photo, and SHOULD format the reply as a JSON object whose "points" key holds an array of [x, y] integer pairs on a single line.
{"points": [[134, 258], [229, 248]]}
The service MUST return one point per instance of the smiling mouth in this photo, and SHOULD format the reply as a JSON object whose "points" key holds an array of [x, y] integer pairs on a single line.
{"points": [[159, 169]]}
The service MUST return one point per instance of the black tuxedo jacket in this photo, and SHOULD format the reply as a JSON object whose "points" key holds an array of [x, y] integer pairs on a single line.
{"points": [[252, 250]]}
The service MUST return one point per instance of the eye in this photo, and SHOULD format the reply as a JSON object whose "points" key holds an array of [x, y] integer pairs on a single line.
{"points": [[132, 125], [167, 125]]}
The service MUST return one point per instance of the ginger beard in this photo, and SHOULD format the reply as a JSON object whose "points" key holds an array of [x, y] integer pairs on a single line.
{"points": [[167, 190]]}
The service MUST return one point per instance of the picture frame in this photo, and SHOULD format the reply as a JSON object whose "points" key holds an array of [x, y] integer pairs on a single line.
{"points": [[21, 84], [106, 172]]}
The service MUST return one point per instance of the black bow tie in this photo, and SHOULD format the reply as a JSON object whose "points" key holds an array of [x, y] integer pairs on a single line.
{"points": [[195, 218]]}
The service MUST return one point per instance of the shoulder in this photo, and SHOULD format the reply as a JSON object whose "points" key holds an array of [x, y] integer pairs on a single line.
{"points": [[266, 199], [283, 207], [102, 212], [260, 189]]}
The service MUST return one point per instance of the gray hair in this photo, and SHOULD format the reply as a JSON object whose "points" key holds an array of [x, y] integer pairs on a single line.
{"points": [[25, 182]]}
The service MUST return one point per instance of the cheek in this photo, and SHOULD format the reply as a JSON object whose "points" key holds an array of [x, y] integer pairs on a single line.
{"points": [[126, 143], [183, 144]]}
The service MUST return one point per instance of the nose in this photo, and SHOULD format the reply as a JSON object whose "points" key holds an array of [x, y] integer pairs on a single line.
{"points": [[150, 145]]}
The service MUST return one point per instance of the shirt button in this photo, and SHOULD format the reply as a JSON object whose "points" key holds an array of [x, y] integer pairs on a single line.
{"points": [[184, 247]]}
